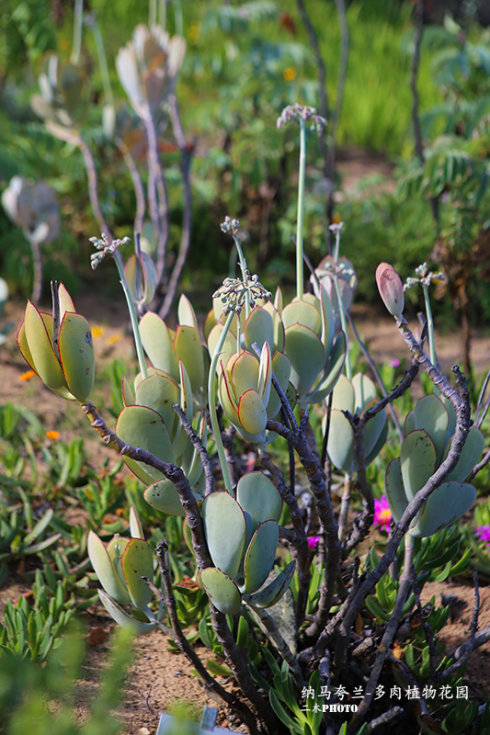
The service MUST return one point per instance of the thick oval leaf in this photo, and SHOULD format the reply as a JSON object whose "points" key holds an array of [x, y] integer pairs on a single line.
{"points": [[186, 313], [306, 355], [188, 348], [417, 460], [159, 392], [221, 590], [66, 302], [243, 370], [259, 328], [224, 526], [278, 326], [395, 491], [302, 312], [158, 344], [471, 453], [252, 414], [44, 360], [332, 372], [104, 569], [445, 506], [365, 391], [344, 397], [373, 430], [379, 444], [340, 442], [77, 355], [260, 555], [143, 428], [137, 562], [163, 496], [265, 375], [229, 347], [259, 497], [410, 423], [432, 416], [275, 589], [135, 527], [122, 618]]}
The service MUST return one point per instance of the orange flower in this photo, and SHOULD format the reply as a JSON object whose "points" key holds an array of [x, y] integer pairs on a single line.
{"points": [[97, 331], [115, 338], [289, 74], [27, 375], [53, 434], [336, 219]]}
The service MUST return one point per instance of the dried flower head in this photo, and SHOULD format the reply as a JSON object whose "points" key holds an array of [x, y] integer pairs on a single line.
{"points": [[105, 247], [296, 112], [424, 277], [233, 292], [230, 226]]}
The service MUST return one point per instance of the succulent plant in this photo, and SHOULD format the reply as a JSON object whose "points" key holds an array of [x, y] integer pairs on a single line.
{"points": [[148, 65], [166, 348], [429, 430], [342, 269], [61, 101], [120, 566], [59, 347], [33, 207], [149, 421], [243, 557], [355, 396], [315, 354]]}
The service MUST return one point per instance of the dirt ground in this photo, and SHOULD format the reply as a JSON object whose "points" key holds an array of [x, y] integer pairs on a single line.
{"points": [[160, 677]]}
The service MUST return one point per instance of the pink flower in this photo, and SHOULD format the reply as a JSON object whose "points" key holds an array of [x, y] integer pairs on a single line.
{"points": [[394, 362], [483, 533], [313, 542], [382, 513]]}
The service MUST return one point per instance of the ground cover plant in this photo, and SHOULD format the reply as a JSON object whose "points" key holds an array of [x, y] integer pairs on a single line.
{"points": [[303, 623]]}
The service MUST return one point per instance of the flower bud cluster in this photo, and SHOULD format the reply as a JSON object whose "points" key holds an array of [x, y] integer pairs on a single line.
{"points": [[294, 113]]}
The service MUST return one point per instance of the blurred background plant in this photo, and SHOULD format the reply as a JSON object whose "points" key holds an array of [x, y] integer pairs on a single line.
{"points": [[244, 62]]}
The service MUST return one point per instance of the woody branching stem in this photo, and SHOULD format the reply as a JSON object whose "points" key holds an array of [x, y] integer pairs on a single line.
{"points": [[168, 470], [316, 477], [343, 621], [389, 634], [185, 647]]}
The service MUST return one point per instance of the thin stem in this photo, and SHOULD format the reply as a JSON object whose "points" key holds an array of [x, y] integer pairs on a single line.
{"points": [[152, 13], [343, 322], [104, 69], [209, 682], [430, 325], [212, 404], [186, 151], [344, 506], [245, 274], [132, 315], [389, 634], [77, 31], [301, 209]]}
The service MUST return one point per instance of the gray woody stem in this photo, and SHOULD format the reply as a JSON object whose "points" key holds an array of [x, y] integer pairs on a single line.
{"points": [[345, 618], [185, 647], [389, 634], [316, 477], [168, 470], [186, 151]]}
